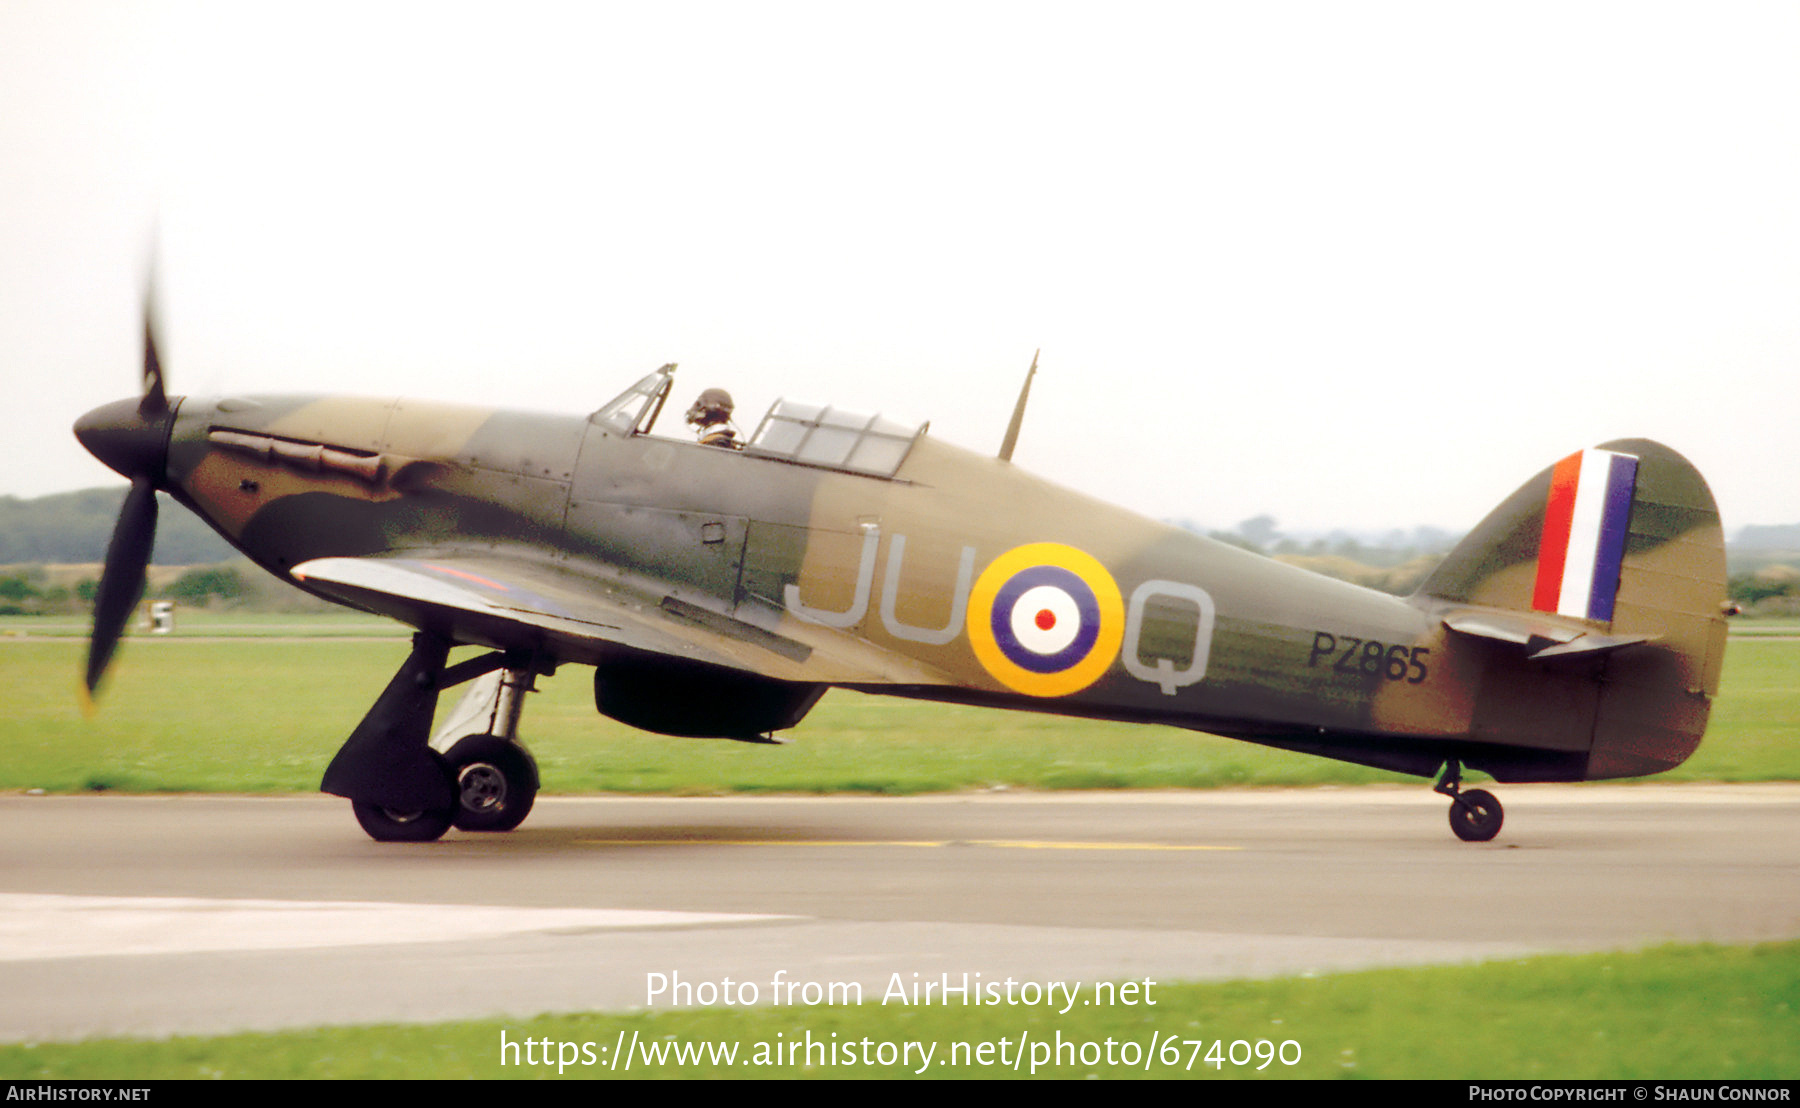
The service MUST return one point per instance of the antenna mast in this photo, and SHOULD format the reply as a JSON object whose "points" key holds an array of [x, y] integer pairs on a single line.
{"points": [[1018, 416]]}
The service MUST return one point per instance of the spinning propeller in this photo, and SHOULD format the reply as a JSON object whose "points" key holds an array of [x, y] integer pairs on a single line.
{"points": [[132, 437]]}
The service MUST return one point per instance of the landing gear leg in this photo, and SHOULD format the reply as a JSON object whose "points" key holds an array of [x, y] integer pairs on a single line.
{"points": [[496, 777], [402, 785], [1475, 815]]}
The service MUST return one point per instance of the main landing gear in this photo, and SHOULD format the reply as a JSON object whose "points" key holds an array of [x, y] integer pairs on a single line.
{"points": [[496, 778], [408, 784], [1475, 815]]}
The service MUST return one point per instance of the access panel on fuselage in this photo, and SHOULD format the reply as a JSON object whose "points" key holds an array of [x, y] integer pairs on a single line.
{"points": [[673, 512]]}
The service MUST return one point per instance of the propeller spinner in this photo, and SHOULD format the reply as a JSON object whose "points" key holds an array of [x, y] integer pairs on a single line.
{"points": [[132, 437]]}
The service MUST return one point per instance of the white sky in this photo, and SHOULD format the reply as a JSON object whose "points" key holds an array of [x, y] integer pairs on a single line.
{"points": [[1361, 265]]}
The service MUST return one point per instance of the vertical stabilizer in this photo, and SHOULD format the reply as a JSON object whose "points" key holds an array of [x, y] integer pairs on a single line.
{"points": [[1622, 542]]}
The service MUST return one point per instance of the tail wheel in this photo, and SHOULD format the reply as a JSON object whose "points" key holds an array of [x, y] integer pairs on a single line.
{"points": [[496, 784], [1475, 815]]}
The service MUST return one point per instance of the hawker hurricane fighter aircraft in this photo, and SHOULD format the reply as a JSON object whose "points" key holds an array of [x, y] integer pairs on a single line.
{"points": [[1576, 634]]}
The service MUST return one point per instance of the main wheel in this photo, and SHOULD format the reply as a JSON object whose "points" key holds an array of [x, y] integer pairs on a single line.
{"points": [[496, 784], [385, 825], [1475, 815]]}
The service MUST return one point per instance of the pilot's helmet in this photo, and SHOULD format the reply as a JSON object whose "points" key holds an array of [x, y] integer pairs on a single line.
{"points": [[712, 406]]}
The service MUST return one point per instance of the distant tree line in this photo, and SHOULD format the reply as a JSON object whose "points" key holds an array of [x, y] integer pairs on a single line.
{"points": [[34, 590], [24, 592], [1772, 590], [74, 527]]}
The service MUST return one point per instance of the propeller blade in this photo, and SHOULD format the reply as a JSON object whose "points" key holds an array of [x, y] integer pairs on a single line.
{"points": [[122, 581], [156, 399], [135, 444]]}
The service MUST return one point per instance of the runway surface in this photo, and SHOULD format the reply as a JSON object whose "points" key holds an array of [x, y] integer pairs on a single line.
{"points": [[151, 916]]}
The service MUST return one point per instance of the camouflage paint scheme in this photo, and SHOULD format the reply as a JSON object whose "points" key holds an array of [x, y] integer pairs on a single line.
{"points": [[740, 587]]}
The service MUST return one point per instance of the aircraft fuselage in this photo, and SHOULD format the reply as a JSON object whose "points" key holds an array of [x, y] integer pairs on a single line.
{"points": [[1130, 619]]}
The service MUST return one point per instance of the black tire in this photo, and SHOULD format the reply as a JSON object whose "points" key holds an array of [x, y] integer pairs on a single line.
{"points": [[496, 784], [1475, 816], [385, 825]]}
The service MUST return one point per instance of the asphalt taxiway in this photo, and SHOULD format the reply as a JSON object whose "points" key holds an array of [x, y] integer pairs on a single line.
{"points": [[151, 916]]}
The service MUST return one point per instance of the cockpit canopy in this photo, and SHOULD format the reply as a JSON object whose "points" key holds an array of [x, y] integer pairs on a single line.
{"points": [[804, 434], [833, 438]]}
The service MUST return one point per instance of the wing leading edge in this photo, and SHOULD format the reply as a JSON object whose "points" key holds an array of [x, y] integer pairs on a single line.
{"points": [[512, 602]]}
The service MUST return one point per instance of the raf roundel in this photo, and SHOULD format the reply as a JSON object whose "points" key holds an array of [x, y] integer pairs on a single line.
{"points": [[1046, 619]]}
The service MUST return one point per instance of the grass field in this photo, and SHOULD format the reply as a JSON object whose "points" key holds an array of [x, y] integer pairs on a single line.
{"points": [[1719, 1013], [259, 704]]}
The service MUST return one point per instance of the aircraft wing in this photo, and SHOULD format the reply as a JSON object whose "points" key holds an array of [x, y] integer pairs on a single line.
{"points": [[509, 601]]}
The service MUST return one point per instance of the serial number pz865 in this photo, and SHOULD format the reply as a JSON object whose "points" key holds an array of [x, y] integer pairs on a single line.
{"points": [[1393, 661]]}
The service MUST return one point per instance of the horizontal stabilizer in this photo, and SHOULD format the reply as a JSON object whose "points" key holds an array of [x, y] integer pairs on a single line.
{"points": [[1543, 639]]}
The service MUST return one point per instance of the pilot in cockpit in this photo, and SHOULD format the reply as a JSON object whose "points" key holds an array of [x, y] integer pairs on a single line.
{"points": [[711, 419]]}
